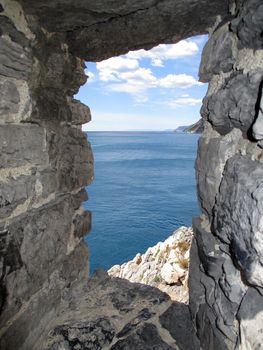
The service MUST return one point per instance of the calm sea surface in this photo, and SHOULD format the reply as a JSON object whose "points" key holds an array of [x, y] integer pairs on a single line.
{"points": [[144, 188]]}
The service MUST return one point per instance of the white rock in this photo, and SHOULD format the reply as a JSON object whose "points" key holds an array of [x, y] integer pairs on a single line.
{"points": [[169, 274], [161, 266]]}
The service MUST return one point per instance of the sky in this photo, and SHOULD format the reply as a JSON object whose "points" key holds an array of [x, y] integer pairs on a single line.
{"points": [[151, 90]]}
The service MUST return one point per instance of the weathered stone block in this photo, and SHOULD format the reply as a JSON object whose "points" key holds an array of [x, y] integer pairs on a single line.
{"points": [[71, 155], [46, 303], [82, 224], [22, 145], [222, 290], [80, 112], [235, 103], [34, 246], [257, 129], [217, 55], [210, 337], [213, 153], [14, 58], [14, 193], [58, 71], [176, 319], [79, 198], [85, 334], [15, 101], [32, 188], [249, 25], [250, 318], [196, 289], [238, 216], [145, 337], [9, 97], [50, 105]]}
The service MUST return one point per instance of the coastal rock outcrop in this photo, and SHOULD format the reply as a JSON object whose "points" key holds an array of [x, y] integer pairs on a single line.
{"points": [[196, 128], [164, 266]]}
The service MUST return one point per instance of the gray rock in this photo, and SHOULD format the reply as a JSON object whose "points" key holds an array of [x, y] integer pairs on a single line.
{"points": [[127, 296], [257, 129], [196, 289], [45, 167], [91, 31], [22, 145], [34, 248], [9, 98], [249, 25], [71, 155], [50, 105], [143, 315], [233, 106], [211, 338], [238, 216], [83, 335], [8, 27], [250, 319], [34, 187], [222, 59], [15, 61], [82, 224], [179, 324], [211, 258], [46, 304], [80, 113], [213, 153], [222, 292], [145, 338]]}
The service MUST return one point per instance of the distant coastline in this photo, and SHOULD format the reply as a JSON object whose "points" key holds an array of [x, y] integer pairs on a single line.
{"points": [[196, 128], [170, 131]]}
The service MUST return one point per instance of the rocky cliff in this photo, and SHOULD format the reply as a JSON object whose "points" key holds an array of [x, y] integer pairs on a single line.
{"points": [[46, 299], [196, 128], [164, 266]]}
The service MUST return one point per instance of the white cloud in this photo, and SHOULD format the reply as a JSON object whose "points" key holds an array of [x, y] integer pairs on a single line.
{"points": [[157, 62], [178, 81], [141, 75], [139, 81], [164, 52], [124, 74], [139, 92], [130, 87], [90, 75], [110, 70], [184, 101], [135, 82]]}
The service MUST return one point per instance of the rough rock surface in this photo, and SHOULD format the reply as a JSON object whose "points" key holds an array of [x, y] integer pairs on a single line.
{"points": [[164, 266], [90, 28], [226, 253], [196, 128], [111, 313], [46, 161]]}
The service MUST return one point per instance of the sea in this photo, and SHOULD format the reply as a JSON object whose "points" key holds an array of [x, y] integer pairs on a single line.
{"points": [[143, 190]]}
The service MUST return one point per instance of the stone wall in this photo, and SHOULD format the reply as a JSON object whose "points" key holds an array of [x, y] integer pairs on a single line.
{"points": [[45, 159], [226, 276], [45, 162]]}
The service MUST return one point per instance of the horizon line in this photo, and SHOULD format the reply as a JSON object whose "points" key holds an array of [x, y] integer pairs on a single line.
{"points": [[146, 130]]}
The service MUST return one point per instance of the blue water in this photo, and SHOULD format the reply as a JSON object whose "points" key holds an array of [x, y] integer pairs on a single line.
{"points": [[144, 188]]}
